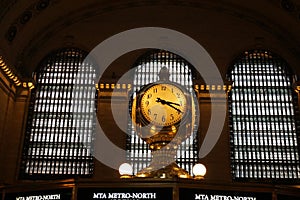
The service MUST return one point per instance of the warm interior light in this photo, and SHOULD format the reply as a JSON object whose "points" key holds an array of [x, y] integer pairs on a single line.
{"points": [[183, 176], [141, 175], [9, 72], [199, 171], [125, 170], [30, 84]]}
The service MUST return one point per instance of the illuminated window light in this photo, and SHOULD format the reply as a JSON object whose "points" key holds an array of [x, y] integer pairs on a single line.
{"points": [[79, 100], [262, 118]]}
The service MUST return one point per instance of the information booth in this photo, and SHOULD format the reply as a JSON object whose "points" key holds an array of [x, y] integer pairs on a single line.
{"points": [[62, 194], [132, 189]]}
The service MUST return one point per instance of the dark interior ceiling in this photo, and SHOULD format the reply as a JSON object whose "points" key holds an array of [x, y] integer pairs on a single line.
{"points": [[225, 28]]}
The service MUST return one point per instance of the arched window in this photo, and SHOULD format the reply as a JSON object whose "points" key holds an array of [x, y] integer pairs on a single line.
{"points": [[61, 118], [147, 68], [263, 125]]}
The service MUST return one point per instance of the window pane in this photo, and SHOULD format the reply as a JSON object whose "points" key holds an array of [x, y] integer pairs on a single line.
{"points": [[263, 132], [61, 118]]}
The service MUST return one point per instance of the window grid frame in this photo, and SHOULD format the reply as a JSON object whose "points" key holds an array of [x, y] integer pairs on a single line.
{"points": [[67, 152], [277, 169]]}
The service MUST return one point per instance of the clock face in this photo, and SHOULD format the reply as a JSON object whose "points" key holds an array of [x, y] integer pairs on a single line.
{"points": [[163, 104]]}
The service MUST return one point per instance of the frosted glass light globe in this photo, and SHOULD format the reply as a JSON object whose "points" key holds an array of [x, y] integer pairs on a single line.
{"points": [[125, 169], [199, 170]]}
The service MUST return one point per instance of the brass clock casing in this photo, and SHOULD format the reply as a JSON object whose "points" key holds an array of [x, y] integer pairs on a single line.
{"points": [[163, 104], [163, 114], [159, 110]]}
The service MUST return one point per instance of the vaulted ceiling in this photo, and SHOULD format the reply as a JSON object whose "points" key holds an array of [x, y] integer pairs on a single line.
{"points": [[225, 28]]}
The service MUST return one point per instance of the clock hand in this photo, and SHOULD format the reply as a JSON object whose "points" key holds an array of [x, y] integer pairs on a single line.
{"points": [[168, 103], [174, 108]]}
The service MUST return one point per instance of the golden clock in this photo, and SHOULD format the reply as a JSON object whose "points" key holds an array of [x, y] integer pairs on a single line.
{"points": [[163, 104], [163, 114]]}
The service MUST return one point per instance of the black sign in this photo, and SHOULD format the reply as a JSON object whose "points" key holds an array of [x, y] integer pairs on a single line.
{"points": [[198, 194], [125, 193], [61, 194], [287, 197]]}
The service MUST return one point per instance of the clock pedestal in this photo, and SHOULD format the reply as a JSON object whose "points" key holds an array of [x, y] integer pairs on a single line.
{"points": [[163, 166], [164, 145]]}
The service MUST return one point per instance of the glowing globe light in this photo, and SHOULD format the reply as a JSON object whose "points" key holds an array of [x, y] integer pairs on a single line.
{"points": [[199, 171], [125, 170]]}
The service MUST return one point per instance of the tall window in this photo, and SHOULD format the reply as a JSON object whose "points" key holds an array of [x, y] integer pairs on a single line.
{"points": [[264, 130], [146, 71], [61, 119]]}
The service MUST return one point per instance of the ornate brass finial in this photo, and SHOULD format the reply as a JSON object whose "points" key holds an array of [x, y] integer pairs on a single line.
{"points": [[164, 74]]}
